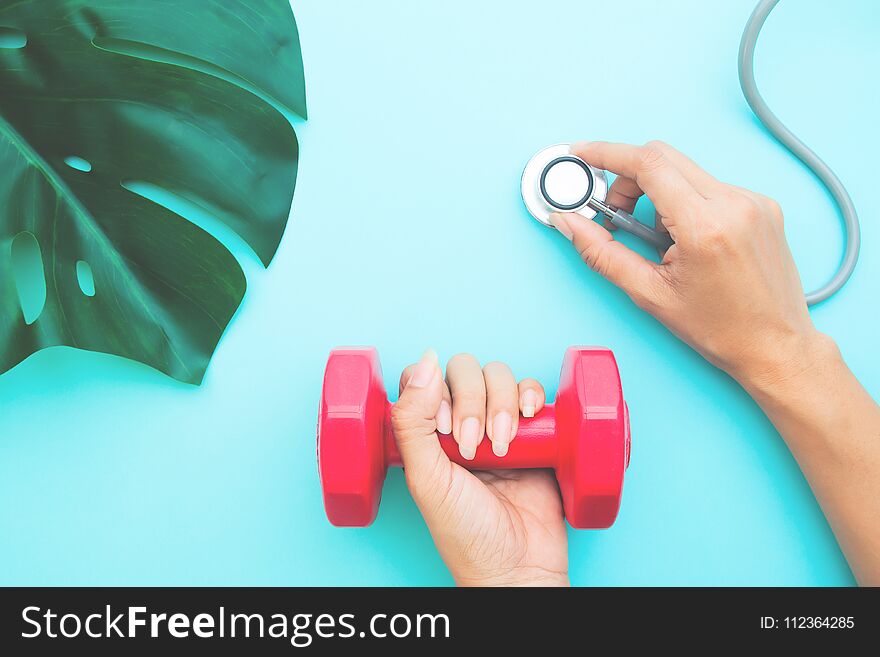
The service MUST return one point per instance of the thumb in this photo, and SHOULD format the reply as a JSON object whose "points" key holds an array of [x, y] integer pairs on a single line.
{"points": [[413, 419], [622, 266]]}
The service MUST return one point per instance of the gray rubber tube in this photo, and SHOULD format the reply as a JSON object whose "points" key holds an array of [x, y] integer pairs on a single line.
{"points": [[659, 240], [812, 161]]}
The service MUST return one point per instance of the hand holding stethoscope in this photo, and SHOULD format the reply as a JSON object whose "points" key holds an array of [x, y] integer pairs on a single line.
{"points": [[554, 180]]}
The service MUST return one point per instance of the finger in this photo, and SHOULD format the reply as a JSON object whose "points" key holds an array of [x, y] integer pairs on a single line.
{"points": [[502, 406], [468, 389], [623, 194], [650, 168], [612, 260], [444, 413], [414, 423], [405, 376], [531, 397], [704, 182], [701, 180]]}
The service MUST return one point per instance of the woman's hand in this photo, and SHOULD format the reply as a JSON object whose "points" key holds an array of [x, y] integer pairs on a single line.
{"points": [[728, 287], [501, 528]]}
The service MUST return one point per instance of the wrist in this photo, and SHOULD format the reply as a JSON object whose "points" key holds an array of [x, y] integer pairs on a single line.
{"points": [[787, 365], [517, 577]]}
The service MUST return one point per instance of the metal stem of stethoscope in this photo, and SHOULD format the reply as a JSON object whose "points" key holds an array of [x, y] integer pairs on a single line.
{"points": [[625, 221]]}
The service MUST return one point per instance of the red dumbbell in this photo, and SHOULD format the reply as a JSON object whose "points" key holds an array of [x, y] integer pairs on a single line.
{"points": [[584, 437]]}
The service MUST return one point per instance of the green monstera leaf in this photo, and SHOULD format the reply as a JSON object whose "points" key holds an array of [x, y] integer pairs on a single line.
{"points": [[178, 94]]}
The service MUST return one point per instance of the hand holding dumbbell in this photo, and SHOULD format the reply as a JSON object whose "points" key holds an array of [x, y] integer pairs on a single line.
{"points": [[584, 437]]}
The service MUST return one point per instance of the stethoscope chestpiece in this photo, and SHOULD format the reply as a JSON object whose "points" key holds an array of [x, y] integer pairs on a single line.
{"points": [[554, 180]]}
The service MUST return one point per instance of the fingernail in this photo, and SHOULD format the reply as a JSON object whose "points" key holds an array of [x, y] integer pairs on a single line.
{"points": [[424, 372], [561, 224], [579, 146], [444, 418], [529, 402], [501, 428], [470, 438]]}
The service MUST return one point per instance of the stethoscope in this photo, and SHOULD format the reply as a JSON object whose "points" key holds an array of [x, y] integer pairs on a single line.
{"points": [[554, 180]]}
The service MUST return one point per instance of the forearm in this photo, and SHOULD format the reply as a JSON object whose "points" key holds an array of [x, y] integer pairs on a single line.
{"points": [[832, 427]]}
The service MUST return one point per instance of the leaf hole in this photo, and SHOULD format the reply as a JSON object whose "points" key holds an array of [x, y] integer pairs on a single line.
{"points": [[11, 38], [78, 163], [85, 278], [30, 277]]}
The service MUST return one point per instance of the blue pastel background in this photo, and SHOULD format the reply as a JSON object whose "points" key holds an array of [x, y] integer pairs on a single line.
{"points": [[408, 232]]}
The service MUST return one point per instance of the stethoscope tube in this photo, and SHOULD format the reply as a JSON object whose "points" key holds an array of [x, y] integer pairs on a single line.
{"points": [[660, 240], [801, 151]]}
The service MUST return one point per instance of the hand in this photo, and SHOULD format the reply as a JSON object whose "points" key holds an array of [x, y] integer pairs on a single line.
{"points": [[728, 287], [503, 528]]}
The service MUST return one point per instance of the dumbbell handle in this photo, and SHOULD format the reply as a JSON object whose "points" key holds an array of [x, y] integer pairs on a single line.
{"points": [[535, 445]]}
